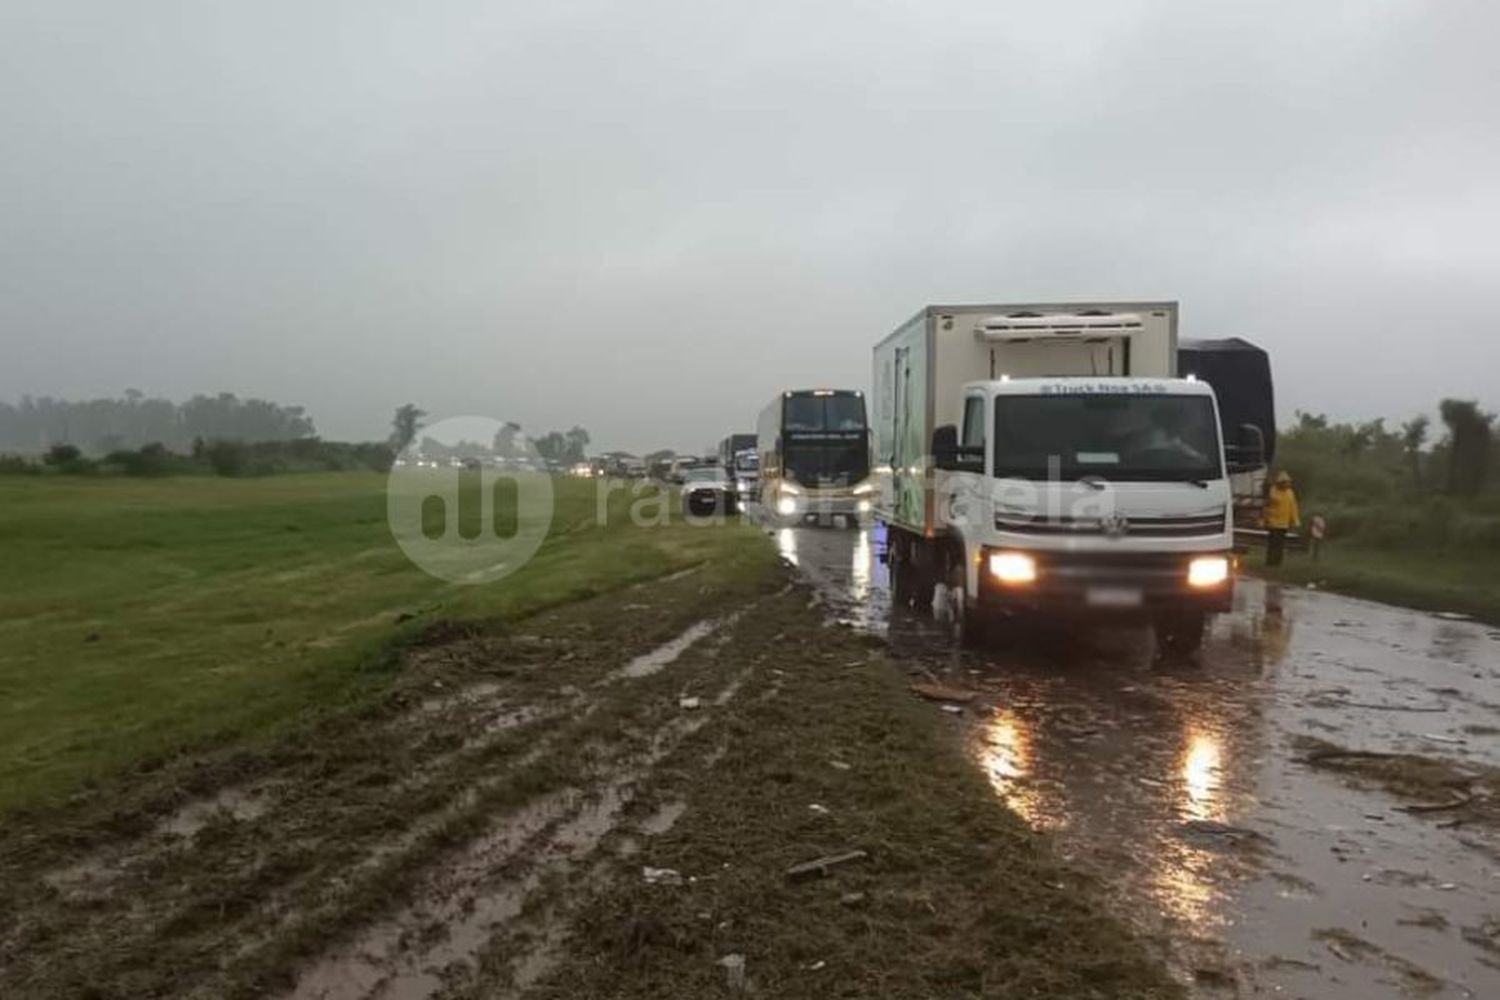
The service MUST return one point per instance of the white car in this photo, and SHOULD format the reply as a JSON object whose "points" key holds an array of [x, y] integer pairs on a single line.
{"points": [[708, 490]]}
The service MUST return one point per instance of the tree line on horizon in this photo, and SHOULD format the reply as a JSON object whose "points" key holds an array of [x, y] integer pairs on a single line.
{"points": [[1367, 458], [101, 426]]}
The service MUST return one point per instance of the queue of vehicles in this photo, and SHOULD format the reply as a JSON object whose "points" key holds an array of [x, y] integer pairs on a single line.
{"points": [[1058, 460]]}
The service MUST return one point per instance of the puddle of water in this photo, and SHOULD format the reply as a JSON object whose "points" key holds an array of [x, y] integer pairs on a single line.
{"points": [[501, 722], [657, 659], [239, 804], [470, 694], [1184, 789], [663, 819]]}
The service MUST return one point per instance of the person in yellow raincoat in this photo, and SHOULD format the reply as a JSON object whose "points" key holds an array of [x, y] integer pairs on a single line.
{"points": [[1281, 515]]}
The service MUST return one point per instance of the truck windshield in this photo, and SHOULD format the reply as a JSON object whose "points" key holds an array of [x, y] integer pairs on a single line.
{"points": [[1116, 437]]}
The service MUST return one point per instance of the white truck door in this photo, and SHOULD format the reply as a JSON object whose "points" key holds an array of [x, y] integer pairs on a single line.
{"points": [[963, 492]]}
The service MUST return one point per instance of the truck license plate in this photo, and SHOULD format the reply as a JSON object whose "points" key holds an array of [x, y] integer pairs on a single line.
{"points": [[1114, 597]]}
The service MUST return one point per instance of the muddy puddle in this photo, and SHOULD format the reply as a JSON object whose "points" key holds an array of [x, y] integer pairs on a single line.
{"points": [[657, 659], [1189, 790]]}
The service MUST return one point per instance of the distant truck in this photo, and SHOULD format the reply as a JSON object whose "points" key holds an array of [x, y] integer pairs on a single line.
{"points": [[814, 451], [1240, 373], [1046, 460], [740, 463]]}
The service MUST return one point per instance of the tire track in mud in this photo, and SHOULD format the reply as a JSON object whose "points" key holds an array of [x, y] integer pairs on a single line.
{"points": [[471, 901], [229, 879]]}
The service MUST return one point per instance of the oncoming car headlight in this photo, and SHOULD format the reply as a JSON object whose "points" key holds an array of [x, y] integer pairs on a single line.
{"points": [[786, 506], [1208, 571]]}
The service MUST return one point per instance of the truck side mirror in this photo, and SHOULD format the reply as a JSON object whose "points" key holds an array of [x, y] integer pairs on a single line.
{"points": [[1250, 451], [945, 447]]}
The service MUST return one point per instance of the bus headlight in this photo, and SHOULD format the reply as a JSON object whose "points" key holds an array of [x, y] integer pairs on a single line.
{"points": [[863, 506], [1013, 567], [786, 506], [1208, 571]]}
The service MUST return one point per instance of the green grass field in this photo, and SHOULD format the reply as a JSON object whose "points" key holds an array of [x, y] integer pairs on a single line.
{"points": [[1437, 581], [142, 617]]}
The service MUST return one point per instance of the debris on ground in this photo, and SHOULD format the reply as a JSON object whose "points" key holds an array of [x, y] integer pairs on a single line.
{"points": [[1486, 935], [1214, 834], [1438, 785], [818, 808], [689, 703], [819, 867], [734, 972], [1457, 802], [942, 692], [661, 876]]}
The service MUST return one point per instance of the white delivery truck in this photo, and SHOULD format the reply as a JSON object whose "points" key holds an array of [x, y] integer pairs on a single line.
{"points": [[1045, 459]]}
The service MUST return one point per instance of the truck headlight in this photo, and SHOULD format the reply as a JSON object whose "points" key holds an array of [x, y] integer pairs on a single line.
{"points": [[786, 506], [1208, 571], [1013, 567], [863, 506]]}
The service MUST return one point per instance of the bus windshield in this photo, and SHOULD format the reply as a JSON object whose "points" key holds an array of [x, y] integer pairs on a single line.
{"points": [[842, 411], [1115, 437]]}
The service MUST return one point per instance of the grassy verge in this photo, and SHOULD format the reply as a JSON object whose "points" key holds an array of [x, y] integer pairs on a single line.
{"points": [[142, 617], [1436, 581]]}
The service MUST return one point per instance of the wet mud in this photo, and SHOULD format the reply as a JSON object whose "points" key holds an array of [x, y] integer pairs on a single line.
{"points": [[1191, 791]]}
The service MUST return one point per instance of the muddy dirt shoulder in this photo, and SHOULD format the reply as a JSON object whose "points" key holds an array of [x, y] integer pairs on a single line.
{"points": [[928, 886]]}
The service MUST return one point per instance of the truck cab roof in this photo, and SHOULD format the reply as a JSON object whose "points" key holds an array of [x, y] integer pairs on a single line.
{"points": [[1075, 385]]}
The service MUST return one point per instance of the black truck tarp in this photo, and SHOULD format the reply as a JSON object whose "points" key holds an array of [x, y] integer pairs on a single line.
{"points": [[1240, 373]]}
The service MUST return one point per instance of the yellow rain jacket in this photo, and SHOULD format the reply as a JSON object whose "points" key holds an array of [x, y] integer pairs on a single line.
{"points": [[1281, 508]]}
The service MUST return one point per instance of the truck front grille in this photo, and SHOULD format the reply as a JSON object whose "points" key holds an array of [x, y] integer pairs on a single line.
{"points": [[1186, 526]]}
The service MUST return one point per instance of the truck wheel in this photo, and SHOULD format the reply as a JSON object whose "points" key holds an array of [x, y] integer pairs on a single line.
{"points": [[969, 626], [911, 578], [898, 559], [1179, 635]]}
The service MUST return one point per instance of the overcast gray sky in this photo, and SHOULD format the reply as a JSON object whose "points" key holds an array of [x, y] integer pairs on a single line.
{"points": [[648, 217]]}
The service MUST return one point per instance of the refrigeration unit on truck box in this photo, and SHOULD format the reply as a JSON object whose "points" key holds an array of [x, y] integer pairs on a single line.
{"points": [[1045, 459]]}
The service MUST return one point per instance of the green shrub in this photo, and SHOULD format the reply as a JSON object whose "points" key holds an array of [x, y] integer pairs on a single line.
{"points": [[1476, 532], [228, 458], [149, 460], [61, 455]]}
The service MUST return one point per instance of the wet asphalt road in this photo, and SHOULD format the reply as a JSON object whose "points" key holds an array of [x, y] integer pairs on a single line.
{"points": [[1182, 787]]}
